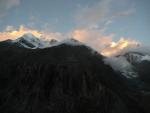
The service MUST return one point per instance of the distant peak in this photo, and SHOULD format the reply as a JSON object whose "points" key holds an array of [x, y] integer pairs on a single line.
{"points": [[71, 41]]}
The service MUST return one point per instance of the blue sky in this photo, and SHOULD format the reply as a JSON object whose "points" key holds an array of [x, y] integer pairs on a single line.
{"points": [[124, 18]]}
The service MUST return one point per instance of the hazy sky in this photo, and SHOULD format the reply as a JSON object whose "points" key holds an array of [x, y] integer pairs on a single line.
{"points": [[116, 18]]}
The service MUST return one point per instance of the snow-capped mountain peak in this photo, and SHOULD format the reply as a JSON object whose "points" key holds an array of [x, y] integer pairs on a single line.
{"points": [[128, 62], [28, 37], [29, 41], [136, 57], [32, 42]]}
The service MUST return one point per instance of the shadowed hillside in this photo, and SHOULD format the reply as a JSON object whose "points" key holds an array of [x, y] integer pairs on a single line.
{"points": [[61, 79]]}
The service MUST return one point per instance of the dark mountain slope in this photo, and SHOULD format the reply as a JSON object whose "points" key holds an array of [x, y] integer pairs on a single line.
{"points": [[61, 79]]}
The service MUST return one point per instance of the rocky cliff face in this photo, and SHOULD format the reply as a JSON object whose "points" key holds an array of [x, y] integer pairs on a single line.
{"points": [[61, 79]]}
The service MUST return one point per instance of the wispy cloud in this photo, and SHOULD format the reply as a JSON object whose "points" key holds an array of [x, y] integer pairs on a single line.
{"points": [[102, 12], [6, 5], [119, 15], [91, 15], [124, 13]]}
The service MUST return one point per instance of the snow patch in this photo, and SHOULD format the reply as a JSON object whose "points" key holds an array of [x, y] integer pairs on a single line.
{"points": [[146, 57]]}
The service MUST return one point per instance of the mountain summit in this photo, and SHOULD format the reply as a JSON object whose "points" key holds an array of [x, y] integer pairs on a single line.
{"points": [[30, 41]]}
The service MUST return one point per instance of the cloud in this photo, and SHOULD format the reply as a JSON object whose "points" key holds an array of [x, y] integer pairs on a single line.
{"points": [[9, 28], [118, 15], [89, 33], [123, 13], [104, 43], [53, 35], [115, 48], [94, 21], [89, 16], [6, 5], [13, 33], [95, 38], [119, 64], [102, 13]]}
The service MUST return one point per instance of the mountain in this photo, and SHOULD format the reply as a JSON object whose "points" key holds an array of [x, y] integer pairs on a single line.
{"points": [[66, 78], [135, 66], [136, 57], [141, 63], [30, 41], [129, 62]]}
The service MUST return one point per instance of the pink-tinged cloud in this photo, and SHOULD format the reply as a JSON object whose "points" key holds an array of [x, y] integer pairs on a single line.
{"points": [[114, 48], [12, 33], [104, 43], [92, 37]]}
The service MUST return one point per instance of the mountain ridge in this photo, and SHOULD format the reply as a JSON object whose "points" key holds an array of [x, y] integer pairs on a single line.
{"points": [[67, 77]]}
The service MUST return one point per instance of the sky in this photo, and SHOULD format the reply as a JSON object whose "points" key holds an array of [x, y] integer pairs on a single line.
{"points": [[95, 22]]}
